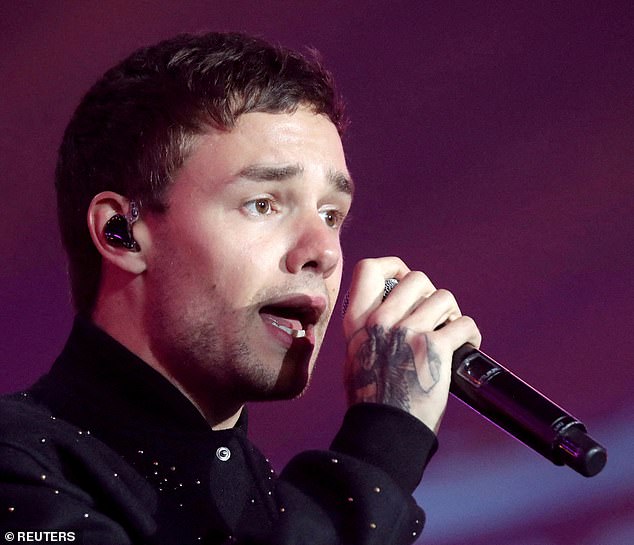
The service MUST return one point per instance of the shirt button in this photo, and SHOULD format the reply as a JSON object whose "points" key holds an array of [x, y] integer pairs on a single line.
{"points": [[223, 454]]}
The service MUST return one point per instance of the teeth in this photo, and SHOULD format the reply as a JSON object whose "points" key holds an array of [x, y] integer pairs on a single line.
{"points": [[292, 332]]}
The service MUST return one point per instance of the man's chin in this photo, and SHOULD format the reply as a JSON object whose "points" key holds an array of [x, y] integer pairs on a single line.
{"points": [[295, 372], [284, 389]]}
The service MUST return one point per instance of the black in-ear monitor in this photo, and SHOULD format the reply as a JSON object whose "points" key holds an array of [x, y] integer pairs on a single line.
{"points": [[118, 229]]}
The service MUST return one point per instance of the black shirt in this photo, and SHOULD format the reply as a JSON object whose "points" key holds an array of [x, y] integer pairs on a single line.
{"points": [[105, 450]]}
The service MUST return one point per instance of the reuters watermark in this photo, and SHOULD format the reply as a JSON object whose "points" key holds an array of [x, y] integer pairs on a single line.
{"points": [[39, 537]]}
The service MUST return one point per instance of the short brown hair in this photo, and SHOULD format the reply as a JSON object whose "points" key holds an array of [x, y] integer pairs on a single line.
{"points": [[137, 124]]}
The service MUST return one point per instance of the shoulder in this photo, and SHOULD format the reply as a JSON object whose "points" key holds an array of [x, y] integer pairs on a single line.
{"points": [[30, 436], [21, 418], [52, 471], [29, 442], [38, 449], [35, 442]]}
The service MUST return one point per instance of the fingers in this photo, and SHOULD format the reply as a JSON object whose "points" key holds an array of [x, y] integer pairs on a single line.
{"points": [[399, 351], [425, 313], [458, 332], [366, 289], [414, 304]]}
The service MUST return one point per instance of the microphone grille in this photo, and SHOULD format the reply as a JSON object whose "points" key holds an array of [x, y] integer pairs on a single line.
{"points": [[390, 284]]}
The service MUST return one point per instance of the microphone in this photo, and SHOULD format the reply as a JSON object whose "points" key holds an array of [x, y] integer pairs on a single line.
{"points": [[503, 398], [506, 400]]}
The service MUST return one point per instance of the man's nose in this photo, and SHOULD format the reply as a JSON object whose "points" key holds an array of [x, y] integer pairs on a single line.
{"points": [[315, 247]]}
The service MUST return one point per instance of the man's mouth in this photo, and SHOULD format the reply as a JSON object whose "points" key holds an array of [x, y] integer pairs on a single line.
{"points": [[295, 316]]}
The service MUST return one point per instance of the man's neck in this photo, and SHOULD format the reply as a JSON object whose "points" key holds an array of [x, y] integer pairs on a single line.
{"points": [[118, 325]]}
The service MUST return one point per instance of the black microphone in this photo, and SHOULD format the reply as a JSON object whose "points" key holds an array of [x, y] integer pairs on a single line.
{"points": [[520, 410], [506, 400]]}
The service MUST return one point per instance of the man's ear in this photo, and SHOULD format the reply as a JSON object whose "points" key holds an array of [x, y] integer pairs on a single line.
{"points": [[117, 231]]}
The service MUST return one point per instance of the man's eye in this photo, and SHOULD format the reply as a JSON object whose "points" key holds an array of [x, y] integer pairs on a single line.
{"points": [[332, 218], [259, 207]]}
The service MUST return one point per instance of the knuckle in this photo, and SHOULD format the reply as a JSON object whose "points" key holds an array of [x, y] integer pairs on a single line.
{"points": [[470, 324], [359, 267], [418, 276], [468, 321], [447, 296], [395, 260], [379, 264], [366, 267], [365, 263]]}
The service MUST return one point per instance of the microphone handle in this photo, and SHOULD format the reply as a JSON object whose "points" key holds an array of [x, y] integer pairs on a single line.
{"points": [[507, 401]]}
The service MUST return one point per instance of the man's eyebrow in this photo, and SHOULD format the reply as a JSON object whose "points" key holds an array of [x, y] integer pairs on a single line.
{"points": [[341, 182], [273, 173], [266, 173]]}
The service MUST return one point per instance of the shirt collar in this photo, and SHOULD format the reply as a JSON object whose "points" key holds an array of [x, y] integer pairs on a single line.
{"points": [[97, 378]]}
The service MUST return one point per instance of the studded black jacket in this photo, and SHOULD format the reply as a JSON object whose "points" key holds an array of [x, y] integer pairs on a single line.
{"points": [[104, 451]]}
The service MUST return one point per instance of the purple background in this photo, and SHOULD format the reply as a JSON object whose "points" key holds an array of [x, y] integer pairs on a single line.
{"points": [[493, 147]]}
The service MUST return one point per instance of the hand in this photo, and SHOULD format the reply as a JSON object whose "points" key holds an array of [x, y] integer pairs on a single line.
{"points": [[395, 352]]}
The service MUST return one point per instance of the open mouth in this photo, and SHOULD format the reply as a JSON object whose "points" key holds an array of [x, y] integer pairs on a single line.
{"points": [[295, 316]]}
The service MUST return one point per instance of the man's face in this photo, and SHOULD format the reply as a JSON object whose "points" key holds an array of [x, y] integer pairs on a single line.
{"points": [[244, 267]]}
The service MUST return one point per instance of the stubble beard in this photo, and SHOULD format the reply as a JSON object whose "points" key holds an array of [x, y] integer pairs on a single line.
{"points": [[212, 355]]}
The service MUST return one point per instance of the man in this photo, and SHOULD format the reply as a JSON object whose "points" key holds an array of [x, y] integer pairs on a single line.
{"points": [[202, 186]]}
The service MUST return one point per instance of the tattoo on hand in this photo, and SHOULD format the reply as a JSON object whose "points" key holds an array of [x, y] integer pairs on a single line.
{"points": [[385, 369]]}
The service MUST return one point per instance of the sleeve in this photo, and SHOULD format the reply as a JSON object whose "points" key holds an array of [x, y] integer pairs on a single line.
{"points": [[360, 491]]}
